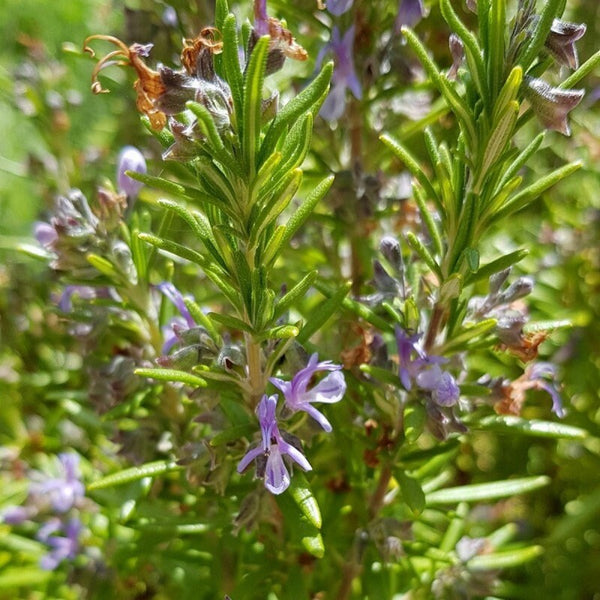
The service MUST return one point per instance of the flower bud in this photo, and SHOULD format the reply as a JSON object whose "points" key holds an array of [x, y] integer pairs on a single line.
{"points": [[130, 159]]}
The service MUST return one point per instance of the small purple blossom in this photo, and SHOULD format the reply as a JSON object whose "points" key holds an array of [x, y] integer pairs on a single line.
{"points": [[543, 376], [45, 234], [329, 390], [16, 515], [410, 12], [130, 159], [274, 448], [408, 366], [177, 324], [62, 547], [416, 366], [339, 7], [441, 384], [65, 491], [344, 74]]}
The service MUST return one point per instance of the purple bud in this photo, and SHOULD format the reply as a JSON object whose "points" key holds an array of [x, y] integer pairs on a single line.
{"points": [[45, 234], [130, 159]]}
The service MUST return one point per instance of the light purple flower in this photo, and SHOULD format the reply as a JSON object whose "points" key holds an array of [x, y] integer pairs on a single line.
{"points": [[344, 74], [339, 7], [16, 515], [65, 491], [441, 384], [62, 547], [261, 18], [416, 366], [408, 366], [45, 234], [329, 390], [177, 324], [85, 292], [130, 159], [538, 374], [410, 12], [274, 448]]}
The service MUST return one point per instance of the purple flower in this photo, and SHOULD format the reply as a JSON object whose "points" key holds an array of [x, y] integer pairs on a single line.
{"points": [[344, 74], [339, 7], [329, 390], [410, 12], [130, 159], [16, 515], [441, 384], [408, 366], [538, 374], [416, 366], [62, 547], [45, 234], [273, 447], [65, 491], [177, 324], [85, 292]]}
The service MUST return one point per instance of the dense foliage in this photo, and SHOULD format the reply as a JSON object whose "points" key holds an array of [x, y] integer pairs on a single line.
{"points": [[299, 301]]}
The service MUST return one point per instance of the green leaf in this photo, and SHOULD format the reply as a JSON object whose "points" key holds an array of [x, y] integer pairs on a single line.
{"points": [[231, 66], [308, 99], [232, 322], [174, 248], [303, 212], [411, 164], [23, 577], [533, 191], [209, 129], [487, 491], [499, 137], [295, 294], [520, 161], [468, 333], [357, 308], [583, 71], [508, 93], [159, 183], [281, 198], [415, 243], [200, 318], [104, 266], [547, 326], [412, 492], [172, 375], [456, 103], [473, 53], [153, 469], [504, 559], [517, 425], [497, 265], [254, 79], [322, 313], [302, 495], [540, 33], [495, 47], [281, 332]]}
